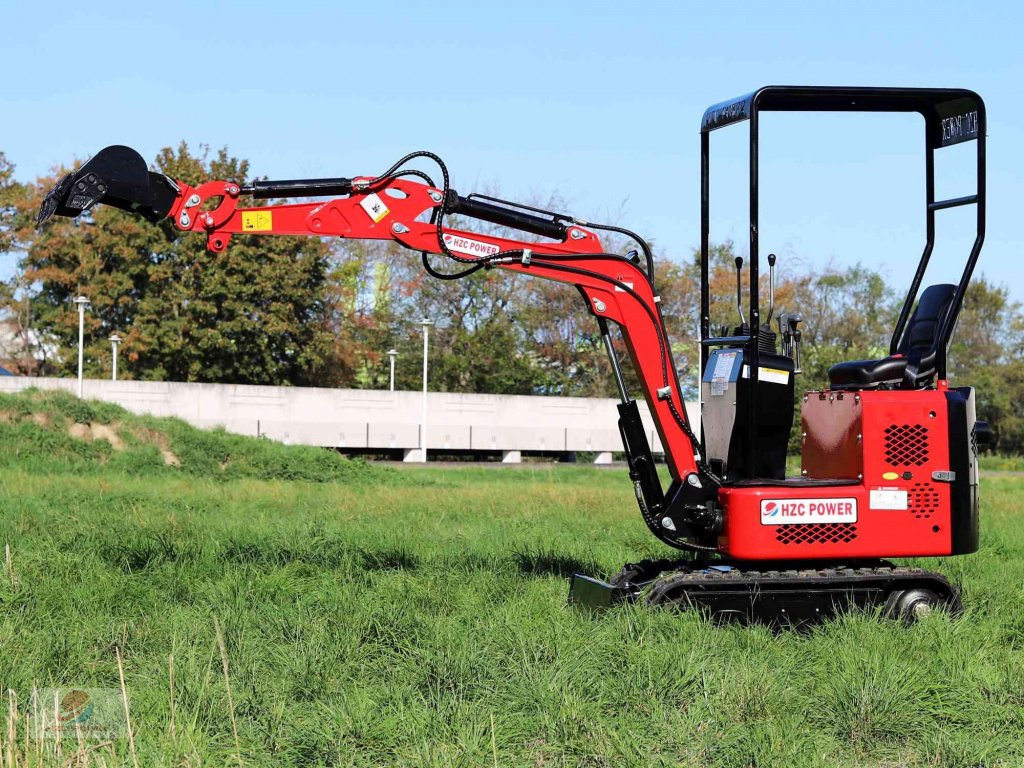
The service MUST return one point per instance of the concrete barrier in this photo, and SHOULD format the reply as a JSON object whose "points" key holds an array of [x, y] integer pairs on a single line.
{"points": [[360, 420]]}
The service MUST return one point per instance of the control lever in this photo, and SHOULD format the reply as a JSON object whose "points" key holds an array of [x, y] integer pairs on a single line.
{"points": [[739, 295], [771, 289], [791, 338]]}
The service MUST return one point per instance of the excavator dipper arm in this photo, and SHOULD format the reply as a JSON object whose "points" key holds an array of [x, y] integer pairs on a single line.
{"points": [[406, 207]]}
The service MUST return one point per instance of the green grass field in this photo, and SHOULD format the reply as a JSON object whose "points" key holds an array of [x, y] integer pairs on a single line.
{"points": [[372, 616]]}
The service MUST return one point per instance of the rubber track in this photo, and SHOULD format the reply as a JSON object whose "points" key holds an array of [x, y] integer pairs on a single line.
{"points": [[709, 580], [821, 592]]}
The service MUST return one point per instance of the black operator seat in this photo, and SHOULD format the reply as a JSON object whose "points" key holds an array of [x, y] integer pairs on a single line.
{"points": [[913, 367]]}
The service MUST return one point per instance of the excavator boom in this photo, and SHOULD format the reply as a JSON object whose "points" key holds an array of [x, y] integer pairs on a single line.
{"points": [[404, 205]]}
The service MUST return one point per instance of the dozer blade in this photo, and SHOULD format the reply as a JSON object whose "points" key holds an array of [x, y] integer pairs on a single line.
{"points": [[115, 176]]}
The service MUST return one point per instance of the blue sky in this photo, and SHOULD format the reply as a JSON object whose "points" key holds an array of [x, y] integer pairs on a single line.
{"points": [[597, 101]]}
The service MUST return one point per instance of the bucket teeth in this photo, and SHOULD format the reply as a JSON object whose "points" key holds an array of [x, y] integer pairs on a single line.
{"points": [[52, 200], [116, 176]]}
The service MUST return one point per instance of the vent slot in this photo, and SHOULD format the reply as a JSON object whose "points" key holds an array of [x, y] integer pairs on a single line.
{"points": [[923, 500], [906, 445], [817, 533]]}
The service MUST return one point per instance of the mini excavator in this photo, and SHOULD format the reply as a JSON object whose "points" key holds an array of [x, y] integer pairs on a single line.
{"points": [[889, 449]]}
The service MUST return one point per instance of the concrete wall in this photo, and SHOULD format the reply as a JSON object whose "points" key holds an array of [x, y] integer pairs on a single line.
{"points": [[359, 419]]}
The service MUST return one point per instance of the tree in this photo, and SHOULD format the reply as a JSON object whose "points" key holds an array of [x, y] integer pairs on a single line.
{"points": [[10, 193], [987, 354], [848, 314], [496, 331], [478, 343], [21, 347], [989, 331], [253, 314]]}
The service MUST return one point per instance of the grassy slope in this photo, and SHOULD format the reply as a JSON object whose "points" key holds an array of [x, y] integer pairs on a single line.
{"points": [[418, 618], [37, 434]]}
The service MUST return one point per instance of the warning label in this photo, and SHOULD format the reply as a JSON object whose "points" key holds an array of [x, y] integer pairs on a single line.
{"points": [[888, 498], [774, 375], [374, 207], [723, 366], [257, 221], [801, 511]]}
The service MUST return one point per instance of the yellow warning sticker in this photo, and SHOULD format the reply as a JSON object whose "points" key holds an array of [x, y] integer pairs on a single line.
{"points": [[773, 375], [257, 221], [374, 207]]}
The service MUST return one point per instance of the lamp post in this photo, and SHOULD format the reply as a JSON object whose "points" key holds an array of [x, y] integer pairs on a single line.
{"points": [[392, 353], [81, 302], [114, 340], [426, 323]]}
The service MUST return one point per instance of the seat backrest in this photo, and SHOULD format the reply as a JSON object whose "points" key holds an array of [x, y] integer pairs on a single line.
{"points": [[920, 337]]}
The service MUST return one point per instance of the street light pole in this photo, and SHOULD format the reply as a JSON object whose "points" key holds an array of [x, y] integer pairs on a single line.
{"points": [[392, 353], [114, 341], [423, 426], [82, 302]]}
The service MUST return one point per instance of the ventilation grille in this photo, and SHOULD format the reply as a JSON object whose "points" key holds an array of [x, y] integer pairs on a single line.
{"points": [[817, 533], [906, 445], [922, 500]]}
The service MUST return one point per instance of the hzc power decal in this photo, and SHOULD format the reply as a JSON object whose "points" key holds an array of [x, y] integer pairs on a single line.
{"points": [[798, 511]]}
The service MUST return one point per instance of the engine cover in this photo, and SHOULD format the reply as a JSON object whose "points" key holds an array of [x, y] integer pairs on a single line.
{"points": [[915, 494]]}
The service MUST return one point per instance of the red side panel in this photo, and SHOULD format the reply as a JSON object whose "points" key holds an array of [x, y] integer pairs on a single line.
{"points": [[895, 510]]}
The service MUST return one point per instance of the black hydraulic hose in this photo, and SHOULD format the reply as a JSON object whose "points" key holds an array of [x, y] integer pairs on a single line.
{"points": [[644, 246], [390, 173], [413, 172], [437, 218], [425, 257]]}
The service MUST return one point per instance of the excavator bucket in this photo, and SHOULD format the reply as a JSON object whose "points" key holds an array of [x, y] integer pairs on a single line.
{"points": [[115, 176]]}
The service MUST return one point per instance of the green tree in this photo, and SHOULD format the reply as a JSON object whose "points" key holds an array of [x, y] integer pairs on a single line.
{"points": [[18, 353], [479, 342], [253, 314], [10, 193], [495, 331], [989, 331], [848, 314], [987, 354]]}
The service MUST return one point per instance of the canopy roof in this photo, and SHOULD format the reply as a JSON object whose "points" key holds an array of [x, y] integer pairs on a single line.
{"points": [[952, 115]]}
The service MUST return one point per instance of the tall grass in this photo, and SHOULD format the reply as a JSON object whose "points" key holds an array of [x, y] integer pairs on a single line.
{"points": [[419, 619]]}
